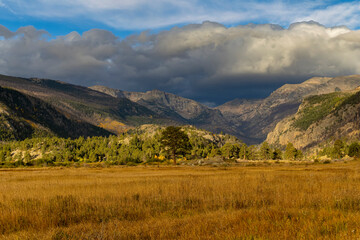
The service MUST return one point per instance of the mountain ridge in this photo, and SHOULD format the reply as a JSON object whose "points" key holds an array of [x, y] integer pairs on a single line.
{"points": [[116, 110], [84, 104], [179, 109], [23, 116], [320, 118], [258, 118]]}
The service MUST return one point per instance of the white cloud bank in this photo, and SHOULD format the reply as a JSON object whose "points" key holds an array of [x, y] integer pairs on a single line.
{"points": [[207, 62]]}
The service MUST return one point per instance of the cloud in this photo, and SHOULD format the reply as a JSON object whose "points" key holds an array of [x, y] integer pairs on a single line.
{"points": [[5, 7], [6, 33], [207, 62], [343, 13], [143, 14]]}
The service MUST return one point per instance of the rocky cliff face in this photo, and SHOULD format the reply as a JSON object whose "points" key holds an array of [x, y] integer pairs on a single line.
{"points": [[320, 118], [257, 118]]}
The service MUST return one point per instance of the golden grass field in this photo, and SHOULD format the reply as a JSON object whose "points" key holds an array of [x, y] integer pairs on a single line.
{"points": [[281, 201]]}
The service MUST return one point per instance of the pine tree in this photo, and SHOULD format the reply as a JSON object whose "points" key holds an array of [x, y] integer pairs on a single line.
{"points": [[290, 151], [276, 154], [230, 150], [175, 141], [27, 157], [243, 153], [2, 156], [265, 151], [354, 150], [338, 149]]}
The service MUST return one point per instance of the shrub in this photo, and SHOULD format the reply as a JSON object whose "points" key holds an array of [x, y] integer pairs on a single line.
{"points": [[354, 150]]}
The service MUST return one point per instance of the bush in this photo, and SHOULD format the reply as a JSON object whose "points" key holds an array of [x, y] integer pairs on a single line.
{"points": [[354, 150]]}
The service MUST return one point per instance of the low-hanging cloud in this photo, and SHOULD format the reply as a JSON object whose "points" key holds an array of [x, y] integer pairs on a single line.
{"points": [[207, 62]]}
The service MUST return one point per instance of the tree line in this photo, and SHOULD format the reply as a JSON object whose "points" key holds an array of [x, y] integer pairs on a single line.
{"points": [[150, 145]]}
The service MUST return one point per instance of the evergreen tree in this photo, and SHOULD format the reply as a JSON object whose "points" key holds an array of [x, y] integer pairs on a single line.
{"points": [[230, 150], [252, 153], [265, 151], [354, 150], [290, 151], [27, 157], [243, 153], [175, 141], [136, 142], [276, 154], [2, 156], [214, 152], [299, 154], [338, 149]]}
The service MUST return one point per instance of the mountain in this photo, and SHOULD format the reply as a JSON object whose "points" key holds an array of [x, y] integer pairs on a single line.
{"points": [[320, 118], [179, 109], [116, 111], [84, 104], [256, 118], [23, 116]]}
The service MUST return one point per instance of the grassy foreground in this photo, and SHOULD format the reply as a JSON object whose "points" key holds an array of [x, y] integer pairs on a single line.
{"points": [[274, 202]]}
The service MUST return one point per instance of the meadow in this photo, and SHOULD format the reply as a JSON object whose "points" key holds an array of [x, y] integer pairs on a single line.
{"points": [[277, 201]]}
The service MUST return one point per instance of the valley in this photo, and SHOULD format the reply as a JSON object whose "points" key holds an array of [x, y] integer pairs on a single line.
{"points": [[311, 115], [117, 111], [179, 120]]}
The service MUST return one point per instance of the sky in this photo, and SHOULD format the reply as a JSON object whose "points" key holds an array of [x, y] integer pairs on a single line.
{"points": [[211, 51]]}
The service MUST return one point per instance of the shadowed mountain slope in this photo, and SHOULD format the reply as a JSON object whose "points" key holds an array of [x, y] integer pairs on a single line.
{"points": [[23, 116], [82, 103]]}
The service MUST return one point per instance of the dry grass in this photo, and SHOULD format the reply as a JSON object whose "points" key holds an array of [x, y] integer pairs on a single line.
{"points": [[275, 202]]}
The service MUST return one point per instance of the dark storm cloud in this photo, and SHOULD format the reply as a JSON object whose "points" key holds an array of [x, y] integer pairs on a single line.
{"points": [[206, 62]]}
